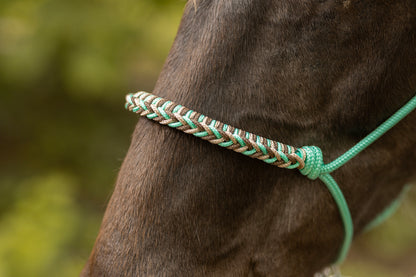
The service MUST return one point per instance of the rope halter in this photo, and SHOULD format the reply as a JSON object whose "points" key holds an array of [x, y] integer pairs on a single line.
{"points": [[308, 159]]}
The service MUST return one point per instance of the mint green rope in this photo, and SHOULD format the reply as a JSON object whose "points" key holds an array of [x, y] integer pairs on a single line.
{"points": [[373, 136], [339, 198], [308, 159], [315, 168]]}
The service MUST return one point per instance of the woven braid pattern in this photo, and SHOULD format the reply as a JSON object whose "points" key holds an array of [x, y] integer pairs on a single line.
{"points": [[179, 117], [308, 159]]}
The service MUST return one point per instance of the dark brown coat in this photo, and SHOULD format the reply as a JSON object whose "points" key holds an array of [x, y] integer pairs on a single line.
{"points": [[318, 72]]}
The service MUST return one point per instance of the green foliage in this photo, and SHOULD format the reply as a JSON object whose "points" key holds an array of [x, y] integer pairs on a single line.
{"points": [[91, 46], [38, 231], [65, 67]]}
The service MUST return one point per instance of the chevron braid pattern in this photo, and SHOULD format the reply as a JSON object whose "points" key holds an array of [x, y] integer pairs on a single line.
{"points": [[179, 117]]}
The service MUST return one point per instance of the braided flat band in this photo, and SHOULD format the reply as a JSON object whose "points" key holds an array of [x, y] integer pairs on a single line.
{"points": [[308, 159], [176, 116]]}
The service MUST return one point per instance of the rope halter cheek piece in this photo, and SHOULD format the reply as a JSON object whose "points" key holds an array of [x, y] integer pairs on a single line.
{"points": [[308, 159]]}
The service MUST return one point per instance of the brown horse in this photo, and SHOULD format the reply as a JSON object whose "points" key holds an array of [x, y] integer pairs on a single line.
{"points": [[318, 72]]}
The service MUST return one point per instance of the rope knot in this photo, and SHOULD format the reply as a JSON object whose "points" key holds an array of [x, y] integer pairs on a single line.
{"points": [[314, 162]]}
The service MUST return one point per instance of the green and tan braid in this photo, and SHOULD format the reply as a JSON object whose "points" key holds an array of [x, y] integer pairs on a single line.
{"points": [[179, 117], [308, 159]]}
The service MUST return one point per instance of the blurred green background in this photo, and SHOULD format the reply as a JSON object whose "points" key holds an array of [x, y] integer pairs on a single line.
{"points": [[65, 67]]}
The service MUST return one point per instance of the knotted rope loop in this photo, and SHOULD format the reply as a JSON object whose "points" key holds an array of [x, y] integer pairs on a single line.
{"points": [[314, 162]]}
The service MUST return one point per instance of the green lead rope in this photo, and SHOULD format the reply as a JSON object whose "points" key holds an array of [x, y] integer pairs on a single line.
{"points": [[308, 159], [315, 168]]}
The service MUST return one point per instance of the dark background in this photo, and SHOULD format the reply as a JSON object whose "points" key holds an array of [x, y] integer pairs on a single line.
{"points": [[65, 67]]}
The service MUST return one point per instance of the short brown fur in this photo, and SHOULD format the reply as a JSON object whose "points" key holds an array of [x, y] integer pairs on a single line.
{"points": [[317, 72]]}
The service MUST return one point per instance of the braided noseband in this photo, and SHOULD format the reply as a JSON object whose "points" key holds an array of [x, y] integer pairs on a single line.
{"points": [[176, 116], [308, 159]]}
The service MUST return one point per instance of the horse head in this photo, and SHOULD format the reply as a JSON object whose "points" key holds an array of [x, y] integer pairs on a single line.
{"points": [[322, 73]]}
